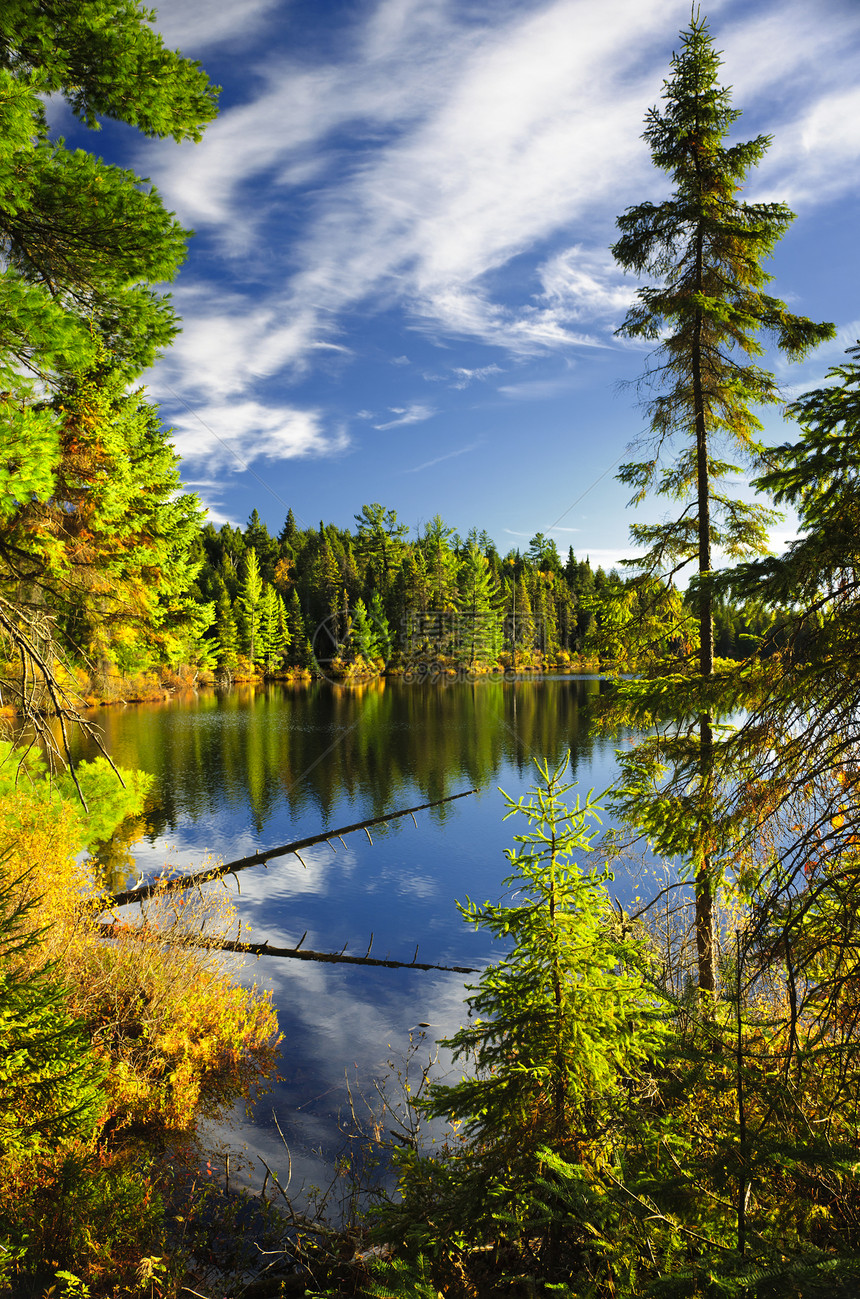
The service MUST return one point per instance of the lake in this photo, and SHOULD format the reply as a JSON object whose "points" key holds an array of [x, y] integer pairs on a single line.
{"points": [[258, 766]]}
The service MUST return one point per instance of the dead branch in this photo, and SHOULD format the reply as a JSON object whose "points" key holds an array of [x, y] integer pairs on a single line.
{"points": [[147, 933], [261, 858]]}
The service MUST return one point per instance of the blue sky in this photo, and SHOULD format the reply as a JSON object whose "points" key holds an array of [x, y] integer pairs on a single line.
{"points": [[400, 288]]}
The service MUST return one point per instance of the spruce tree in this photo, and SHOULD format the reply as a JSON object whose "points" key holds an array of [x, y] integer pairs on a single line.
{"points": [[706, 313], [227, 654], [480, 617], [301, 654], [274, 637], [556, 1050], [362, 641], [249, 602], [382, 634]]}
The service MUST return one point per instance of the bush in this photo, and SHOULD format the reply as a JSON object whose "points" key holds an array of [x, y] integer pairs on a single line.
{"points": [[110, 1043]]}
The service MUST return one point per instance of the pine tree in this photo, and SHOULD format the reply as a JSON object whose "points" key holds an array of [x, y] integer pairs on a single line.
{"points": [[441, 565], [274, 638], [706, 247], [556, 1050], [227, 654], [380, 539], [480, 618], [363, 643], [249, 603]]}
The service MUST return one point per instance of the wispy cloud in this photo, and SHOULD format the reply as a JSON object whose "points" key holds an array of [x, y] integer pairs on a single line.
{"points": [[585, 284], [202, 24], [540, 389], [486, 162], [463, 377], [449, 455], [414, 414], [232, 435]]}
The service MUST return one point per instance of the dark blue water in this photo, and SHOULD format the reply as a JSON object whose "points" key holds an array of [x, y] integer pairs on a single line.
{"points": [[244, 770]]}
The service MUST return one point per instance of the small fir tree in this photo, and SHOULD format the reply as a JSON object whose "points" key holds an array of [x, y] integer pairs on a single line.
{"points": [[560, 1034], [381, 628], [362, 641]]}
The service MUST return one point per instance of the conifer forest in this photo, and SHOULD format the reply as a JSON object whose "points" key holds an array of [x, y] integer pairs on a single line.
{"points": [[652, 1100]]}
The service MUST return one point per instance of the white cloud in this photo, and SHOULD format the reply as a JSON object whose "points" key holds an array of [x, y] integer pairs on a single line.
{"points": [[414, 414], [540, 389], [465, 376], [474, 139], [193, 25], [478, 121], [231, 435], [586, 284], [815, 156]]}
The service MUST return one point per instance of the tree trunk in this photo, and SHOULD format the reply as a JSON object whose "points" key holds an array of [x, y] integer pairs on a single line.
{"points": [[705, 938]]}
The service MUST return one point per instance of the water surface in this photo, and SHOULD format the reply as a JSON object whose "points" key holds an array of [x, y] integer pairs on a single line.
{"points": [[247, 769]]}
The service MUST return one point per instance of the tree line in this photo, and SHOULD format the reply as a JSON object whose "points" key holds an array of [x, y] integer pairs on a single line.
{"points": [[350, 603], [372, 598]]}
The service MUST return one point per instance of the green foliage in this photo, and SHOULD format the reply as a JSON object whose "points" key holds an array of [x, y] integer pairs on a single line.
{"points": [[561, 1035], [554, 1025], [480, 600], [93, 533], [363, 642], [249, 602], [106, 1046], [274, 639], [102, 799], [707, 247], [103, 56], [707, 314], [428, 605], [50, 1082]]}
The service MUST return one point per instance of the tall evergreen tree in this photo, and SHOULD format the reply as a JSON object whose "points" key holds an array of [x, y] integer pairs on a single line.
{"points": [[274, 638], [706, 247], [382, 633], [301, 654], [249, 601], [83, 246], [521, 623], [257, 536], [362, 640], [381, 537], [480, 617], [288, 532], [228, 653]]}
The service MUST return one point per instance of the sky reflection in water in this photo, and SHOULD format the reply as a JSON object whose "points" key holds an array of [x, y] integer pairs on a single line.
{"points": [[239, 771]]}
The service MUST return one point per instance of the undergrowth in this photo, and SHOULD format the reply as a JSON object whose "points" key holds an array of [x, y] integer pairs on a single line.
{"points": [[114, 1043]]}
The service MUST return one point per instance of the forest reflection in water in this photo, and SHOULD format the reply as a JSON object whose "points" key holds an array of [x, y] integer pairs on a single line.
{"points": [[253, 767]]}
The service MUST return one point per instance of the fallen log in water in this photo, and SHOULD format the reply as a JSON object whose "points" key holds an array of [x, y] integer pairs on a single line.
{"points": [[163, 885], [147, 933]]}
